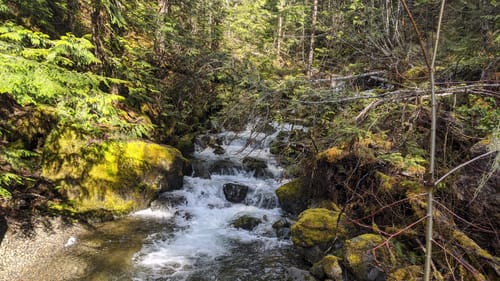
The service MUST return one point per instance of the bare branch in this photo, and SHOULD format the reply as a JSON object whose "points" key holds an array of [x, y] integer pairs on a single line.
{"points": [[349, 77], [413, 93], [419, 35], [463, 165]]}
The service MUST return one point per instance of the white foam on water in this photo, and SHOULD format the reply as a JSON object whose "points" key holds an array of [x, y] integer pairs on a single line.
{"points": [[155, 214], [204, 228]]}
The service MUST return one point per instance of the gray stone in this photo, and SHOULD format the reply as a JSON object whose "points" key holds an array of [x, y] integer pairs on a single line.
{"points": [[257, 166], [234, 192], [296, 274]]}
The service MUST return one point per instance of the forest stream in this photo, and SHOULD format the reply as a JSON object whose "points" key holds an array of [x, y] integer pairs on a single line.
{"points": [[196, 233]]}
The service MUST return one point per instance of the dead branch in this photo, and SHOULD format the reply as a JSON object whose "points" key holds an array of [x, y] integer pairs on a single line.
{"points": [[350, 77], [364, 113], [399, 232], [475, 273], [415, 93], [478, 228]]}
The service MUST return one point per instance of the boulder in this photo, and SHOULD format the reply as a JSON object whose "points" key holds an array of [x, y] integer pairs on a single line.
{"points": [[331, 268], [246, 222], [282, 228], [234, 192], [361, 260], [315, 231], [327, 268], [293, 196], [118, 176], [257, 166], [296, 274], [200, 169]]}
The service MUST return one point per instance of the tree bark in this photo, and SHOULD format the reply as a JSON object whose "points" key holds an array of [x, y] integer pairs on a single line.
{"points": [[310, 60], [280, 31], [98, 31], [163, 11]]}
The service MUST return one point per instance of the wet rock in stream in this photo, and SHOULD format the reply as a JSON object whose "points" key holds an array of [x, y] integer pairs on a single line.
{"points": [[235, 192], [246, 222]]}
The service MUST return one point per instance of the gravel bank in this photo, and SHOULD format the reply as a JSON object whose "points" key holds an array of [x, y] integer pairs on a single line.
{"points": [[25, 252]]}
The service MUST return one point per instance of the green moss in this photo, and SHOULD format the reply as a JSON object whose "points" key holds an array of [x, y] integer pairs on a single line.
{"points": [[292, 189], [386, 182], [119, 176], [470, 245], [332, 154], [411, 186], [359, 256], [331, 267], [327, 204], [316, 226], [409, 273], [328, 268]]}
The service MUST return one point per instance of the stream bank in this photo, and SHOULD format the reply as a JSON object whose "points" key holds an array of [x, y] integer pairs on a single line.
{"points": [[27, 255]]}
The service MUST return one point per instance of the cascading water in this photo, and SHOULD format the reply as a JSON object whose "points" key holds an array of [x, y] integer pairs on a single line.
{"points": [[214, 238]]}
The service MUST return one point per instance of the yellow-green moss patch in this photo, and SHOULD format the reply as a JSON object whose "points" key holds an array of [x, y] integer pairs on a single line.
{"points": [[119, 176], [293, 196], [409, 273], [317, 226], [360, 256]]}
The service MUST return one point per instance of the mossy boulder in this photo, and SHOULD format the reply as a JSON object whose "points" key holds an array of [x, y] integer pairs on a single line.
{"points": [[316, 226], [119, 176], [328, 268], [315, 231], [246, 222], [293, 196], [364, 260]]}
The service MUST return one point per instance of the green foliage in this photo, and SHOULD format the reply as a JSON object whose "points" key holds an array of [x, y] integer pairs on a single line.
{"points": [[4, 9], [24, 37], [78, 98], [18, 158], [479, 115], [7, 180], [71, 51]]}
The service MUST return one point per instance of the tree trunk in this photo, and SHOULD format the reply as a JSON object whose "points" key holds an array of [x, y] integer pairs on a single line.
{"points": [[280, 32], [163, 11], [311, 43], [98, 31]]}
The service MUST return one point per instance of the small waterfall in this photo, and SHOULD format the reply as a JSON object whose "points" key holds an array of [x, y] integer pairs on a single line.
{"points": [[216, 236]]}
